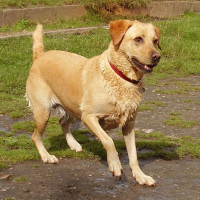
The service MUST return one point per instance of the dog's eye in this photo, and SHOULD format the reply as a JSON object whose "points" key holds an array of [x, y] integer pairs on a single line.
{"points": [[155, 42], [138, 40]]}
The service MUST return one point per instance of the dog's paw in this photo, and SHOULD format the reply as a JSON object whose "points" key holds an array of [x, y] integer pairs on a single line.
{"points": [[115, 168], [50, 159], [74, 145], [143, 179]]}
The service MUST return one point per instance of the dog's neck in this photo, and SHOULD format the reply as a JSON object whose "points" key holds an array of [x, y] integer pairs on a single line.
{"points": [[122, 64], [122, 75]]}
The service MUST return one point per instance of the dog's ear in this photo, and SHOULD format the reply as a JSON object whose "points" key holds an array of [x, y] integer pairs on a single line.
{"points": [[157, 30], [118, 29]]}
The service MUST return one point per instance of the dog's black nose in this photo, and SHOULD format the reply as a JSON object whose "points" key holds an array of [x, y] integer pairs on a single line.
{"points": [[156, 57]]}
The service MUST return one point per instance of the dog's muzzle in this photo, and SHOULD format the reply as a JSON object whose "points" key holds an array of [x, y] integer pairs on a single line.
{"points": [[145, 67]]}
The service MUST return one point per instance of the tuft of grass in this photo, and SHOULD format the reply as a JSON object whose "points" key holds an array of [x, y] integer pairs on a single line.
{"points": [[20, 179], [145, 108], [36, 166], [177, 121], [187, 101], [156, 103], [175, 114]]}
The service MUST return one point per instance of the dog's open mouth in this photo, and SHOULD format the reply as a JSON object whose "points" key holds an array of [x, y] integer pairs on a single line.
{"points": [[143, 67]]}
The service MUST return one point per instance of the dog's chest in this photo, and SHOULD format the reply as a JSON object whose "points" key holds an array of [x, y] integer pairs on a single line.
{"points": [[125, 101]]}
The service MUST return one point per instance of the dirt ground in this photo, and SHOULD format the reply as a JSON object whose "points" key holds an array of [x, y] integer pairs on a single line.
{"points": [[76, 179]]}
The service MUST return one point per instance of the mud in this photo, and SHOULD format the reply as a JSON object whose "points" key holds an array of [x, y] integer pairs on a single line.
{"points": [[76, 179], [153, 119]]}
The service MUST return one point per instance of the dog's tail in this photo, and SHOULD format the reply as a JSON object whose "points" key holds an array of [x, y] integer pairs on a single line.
{"points": [[38, 45]]}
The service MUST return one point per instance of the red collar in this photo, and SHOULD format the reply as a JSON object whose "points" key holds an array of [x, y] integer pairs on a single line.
{"points": [[122, 75]]}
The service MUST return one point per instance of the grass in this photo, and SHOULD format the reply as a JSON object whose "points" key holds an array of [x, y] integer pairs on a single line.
{"points": [[150, 105], [20, 179], [23, 127], [145, 108], [13, 105], [179, 40], [181, 88], [15, 64], [90, 19], [156, 103], [14, 149], [88, 3], [175, 147], [174, 113], [9, 198], [179, 122]]}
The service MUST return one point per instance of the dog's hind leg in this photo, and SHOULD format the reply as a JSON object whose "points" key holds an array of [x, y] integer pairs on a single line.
{"points": [[41, 117], [39, 96], [65, 122]]}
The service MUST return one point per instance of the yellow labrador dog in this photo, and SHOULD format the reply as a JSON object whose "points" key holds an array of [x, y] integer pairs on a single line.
{"points": [[104, 91]]}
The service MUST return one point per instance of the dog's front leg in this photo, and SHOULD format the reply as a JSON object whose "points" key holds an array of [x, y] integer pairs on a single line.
{"points": [[114, 163], [129, 137]]}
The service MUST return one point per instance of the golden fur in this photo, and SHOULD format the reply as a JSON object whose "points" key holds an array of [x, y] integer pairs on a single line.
{"points": [[89, 89]]}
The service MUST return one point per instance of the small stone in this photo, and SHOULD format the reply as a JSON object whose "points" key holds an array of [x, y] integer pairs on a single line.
{"points": [[5, 177]]}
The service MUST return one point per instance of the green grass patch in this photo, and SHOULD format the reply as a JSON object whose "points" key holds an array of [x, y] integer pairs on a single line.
{"points": [[156, 103], [145, 108], [23, 127], [20, 179], [182, 88], [13, 105], [179, 42], [36, 166], [175, 114], [14, 149], [88, 3], [174, 147], [149, 105], [179, 58], [188, 101], [179, 122], [90, 19]]}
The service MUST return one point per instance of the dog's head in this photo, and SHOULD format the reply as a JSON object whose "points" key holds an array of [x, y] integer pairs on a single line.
{"points": [[138, 41]]}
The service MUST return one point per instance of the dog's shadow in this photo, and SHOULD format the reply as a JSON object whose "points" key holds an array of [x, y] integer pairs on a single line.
{"points": [[146, 149]]}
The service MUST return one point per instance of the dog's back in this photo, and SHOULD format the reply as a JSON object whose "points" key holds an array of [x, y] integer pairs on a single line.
{"points": [[52, 76]]}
